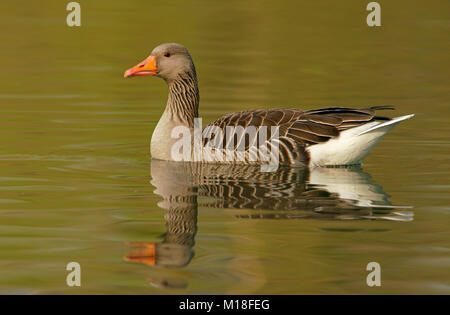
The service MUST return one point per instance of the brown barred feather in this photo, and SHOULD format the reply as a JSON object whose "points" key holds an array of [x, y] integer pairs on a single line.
{"points": [[299, 129]]}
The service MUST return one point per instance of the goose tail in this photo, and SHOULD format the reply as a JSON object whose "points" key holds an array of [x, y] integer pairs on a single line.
{"points": [[353, 144], [391, 123]]}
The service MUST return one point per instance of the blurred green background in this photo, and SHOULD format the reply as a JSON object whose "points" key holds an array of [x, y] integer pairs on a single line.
{"points": [[75, 158]]}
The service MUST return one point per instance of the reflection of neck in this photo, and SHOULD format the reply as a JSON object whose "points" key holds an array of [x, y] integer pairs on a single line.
{"points": [[181, 221], [182, 103]]}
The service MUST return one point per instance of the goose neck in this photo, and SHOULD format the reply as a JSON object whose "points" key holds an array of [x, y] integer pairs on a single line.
{"points": [[183, 100]]}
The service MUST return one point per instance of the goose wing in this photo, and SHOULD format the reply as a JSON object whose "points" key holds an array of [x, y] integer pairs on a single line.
{"points": [[317, 126], [297, 129]]}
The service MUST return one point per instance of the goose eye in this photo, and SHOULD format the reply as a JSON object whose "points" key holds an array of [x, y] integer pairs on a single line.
{"points": [[167, 54]]}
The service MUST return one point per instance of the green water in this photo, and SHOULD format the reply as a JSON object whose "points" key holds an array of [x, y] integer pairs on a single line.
{"points": [[77, 182]]}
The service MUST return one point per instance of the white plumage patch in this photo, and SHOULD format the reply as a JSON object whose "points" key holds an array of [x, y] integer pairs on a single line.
{"points": [[352, 145]]}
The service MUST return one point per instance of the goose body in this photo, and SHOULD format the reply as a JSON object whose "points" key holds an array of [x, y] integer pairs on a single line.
{"points": [[322, 137]]}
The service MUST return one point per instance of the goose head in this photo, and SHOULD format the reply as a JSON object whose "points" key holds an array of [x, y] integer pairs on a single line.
{"points": [[168, 61]]}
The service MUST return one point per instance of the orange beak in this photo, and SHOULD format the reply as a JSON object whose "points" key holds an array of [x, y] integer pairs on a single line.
{"points": [[146, 67], [145, 254]]}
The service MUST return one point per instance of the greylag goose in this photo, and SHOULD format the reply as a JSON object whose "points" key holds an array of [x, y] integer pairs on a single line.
{"points": [[321, 137]]}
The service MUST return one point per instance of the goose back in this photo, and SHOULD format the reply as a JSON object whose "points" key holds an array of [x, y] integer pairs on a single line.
{"points": [[297, 129]]}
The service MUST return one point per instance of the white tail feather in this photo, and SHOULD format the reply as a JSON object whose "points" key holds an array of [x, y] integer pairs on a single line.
{"points": [[352, 145], [393, 121]]}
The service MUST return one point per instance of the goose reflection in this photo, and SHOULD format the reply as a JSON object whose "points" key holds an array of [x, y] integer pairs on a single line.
{"points": [[287, 193]]}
